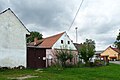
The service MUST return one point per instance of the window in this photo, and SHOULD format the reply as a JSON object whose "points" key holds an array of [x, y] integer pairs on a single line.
{"points": [[68, 42], [61, 41]]}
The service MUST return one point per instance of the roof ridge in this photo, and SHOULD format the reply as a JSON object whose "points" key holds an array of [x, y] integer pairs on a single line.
{"points": [[5, 10], [55, 35], [50, 41], [15, 16]]}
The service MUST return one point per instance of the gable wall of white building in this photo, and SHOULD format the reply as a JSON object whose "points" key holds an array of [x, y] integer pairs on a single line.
{"points": [[13, 41], [51, 53], [65, 39]]}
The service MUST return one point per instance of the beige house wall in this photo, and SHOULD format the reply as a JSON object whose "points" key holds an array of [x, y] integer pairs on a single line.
{"points": [[110, 52]]}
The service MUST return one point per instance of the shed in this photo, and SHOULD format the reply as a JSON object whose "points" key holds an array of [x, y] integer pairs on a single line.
{"points": [[45, 50]]}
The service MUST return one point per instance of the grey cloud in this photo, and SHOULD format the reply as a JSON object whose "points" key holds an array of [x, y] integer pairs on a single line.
{"points": [[49, 14], [99, 24], [2, 5], [52, 16]]}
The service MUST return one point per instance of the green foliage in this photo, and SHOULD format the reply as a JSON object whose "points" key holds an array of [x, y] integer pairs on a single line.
{"points": [[87, 50], [110, 72], [63, 55], [98, 63], [33, 35], [70, 56], [117, 42]]}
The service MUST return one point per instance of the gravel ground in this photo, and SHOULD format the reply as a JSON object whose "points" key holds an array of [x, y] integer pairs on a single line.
{"points": [[116, 62]]}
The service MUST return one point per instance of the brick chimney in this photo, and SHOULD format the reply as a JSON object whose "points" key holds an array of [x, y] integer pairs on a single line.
{"points": [[35, 40]]}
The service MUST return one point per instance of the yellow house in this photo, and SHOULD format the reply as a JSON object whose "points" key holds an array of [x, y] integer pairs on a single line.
{"points": [[112, 53]]}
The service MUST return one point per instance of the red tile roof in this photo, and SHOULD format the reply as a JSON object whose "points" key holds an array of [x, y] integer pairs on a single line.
{"points": [[37, 43], [117, 50], [47, 42], [50, 41]]}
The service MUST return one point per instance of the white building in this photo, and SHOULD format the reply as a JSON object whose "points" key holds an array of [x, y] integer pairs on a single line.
{"points": [[12, 40], [48, 46]]}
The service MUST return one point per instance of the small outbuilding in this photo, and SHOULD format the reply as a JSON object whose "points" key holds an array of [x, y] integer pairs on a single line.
{"points": [[112, 53], [42, 53]]}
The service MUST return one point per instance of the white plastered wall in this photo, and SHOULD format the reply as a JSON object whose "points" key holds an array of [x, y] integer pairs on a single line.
{"points": [[12, 41], [65, 39]]}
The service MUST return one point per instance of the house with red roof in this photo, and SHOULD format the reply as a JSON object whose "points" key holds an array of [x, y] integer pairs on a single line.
{"points": [[112, 53], [41, 53]]}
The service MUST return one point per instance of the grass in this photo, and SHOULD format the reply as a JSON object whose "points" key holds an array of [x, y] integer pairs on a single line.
{"points": [[111, 72]]}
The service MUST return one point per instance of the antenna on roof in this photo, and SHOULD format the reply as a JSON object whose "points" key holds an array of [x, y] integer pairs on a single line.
{"points": [[76, 33]]}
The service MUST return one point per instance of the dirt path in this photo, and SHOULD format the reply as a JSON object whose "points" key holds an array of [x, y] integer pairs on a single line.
{"points": [[115, 62], [23, 77]]}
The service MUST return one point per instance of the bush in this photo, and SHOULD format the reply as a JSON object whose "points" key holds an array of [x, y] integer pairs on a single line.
{"points": [[19, 67], [63, 55], [98, 63]]}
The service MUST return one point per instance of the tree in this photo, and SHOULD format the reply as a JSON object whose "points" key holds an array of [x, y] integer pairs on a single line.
{"points": [[87, 50], [117, 42], [63, 55], [34, 34]]}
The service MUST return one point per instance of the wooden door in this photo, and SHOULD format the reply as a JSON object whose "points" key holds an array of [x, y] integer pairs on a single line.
{"points": [[35, 57], [40, 58]]}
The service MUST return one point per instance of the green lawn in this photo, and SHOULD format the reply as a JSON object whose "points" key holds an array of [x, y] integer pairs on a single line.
{"points": [[111, 72]]}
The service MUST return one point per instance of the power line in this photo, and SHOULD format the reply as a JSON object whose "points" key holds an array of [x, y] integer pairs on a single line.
{"points": [[76, 14]]}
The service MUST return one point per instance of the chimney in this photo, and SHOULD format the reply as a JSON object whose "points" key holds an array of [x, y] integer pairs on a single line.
{"points": [[35, 40]]}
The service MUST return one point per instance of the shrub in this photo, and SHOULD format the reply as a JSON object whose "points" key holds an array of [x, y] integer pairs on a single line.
{"points": [[98, 63], [63, 55]]}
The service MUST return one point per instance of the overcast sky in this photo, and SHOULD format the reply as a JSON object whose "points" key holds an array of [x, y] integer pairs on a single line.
{"points": [[98, 20]]}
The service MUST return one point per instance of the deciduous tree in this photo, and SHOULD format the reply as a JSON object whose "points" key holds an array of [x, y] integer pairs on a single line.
{"points": [[117, 42], [34, 34], [87, 50]]}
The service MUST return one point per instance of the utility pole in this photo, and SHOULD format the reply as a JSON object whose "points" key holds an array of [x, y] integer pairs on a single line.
{"points": [[76, 33]]}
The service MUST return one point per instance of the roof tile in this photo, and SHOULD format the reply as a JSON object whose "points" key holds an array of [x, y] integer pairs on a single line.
{"points": [[50, 41], [47, 42]]}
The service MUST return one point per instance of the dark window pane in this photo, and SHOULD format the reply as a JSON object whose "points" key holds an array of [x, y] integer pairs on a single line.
{"points": [[68, 42], [61, 41]]}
